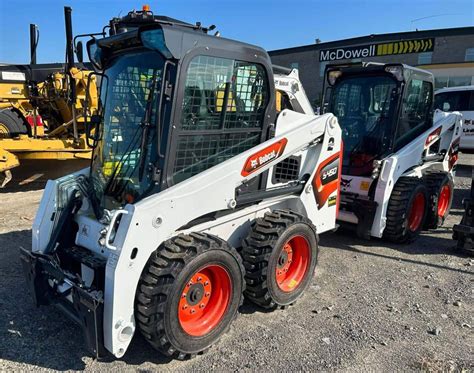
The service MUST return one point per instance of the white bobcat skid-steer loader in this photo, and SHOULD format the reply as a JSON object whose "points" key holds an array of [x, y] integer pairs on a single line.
{"points": [[199, 191], [399, 155]]}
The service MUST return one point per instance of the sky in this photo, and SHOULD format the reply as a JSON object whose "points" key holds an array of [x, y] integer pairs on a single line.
{"points": [[271, 24]]}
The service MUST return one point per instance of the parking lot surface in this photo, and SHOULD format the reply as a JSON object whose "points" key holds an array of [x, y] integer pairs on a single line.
{"points": [[372, 306]]}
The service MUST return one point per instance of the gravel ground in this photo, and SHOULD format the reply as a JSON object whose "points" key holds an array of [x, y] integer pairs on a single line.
{"points": [[372, 306]]}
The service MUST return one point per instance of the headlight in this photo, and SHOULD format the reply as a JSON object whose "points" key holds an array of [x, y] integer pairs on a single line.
{"points": [[376, 164]]}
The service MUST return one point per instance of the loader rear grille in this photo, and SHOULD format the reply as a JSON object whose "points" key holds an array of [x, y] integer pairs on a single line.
{"points": [[287, 170], [196, 154]]}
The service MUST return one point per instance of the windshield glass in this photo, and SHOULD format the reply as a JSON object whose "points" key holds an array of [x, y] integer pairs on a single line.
{"points": [[364, 107], [130, 94]]}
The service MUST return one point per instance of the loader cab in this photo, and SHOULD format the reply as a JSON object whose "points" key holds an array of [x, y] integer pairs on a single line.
{"points": [[175, 101], [380, 108]]}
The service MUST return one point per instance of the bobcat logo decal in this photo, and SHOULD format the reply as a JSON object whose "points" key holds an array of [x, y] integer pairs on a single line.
{"points": [[345, 183]]}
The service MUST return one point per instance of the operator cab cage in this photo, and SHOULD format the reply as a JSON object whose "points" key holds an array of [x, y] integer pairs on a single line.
{"points": [[380, 107], [198, 73]]}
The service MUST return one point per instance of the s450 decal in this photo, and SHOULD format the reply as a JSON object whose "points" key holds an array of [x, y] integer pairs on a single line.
{"points": [[327, 180]]}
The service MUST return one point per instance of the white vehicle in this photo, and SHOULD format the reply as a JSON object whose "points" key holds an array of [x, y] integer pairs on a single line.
{"points": [[459, 99], [399, 154], [199, 191]]}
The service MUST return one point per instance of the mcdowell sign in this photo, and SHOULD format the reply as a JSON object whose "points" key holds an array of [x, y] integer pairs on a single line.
{"points": [[371, 50]]}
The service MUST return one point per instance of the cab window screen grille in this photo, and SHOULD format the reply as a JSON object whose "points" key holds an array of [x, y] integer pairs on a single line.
{"points": [[197, 153], [211, 81], [128, 100], [133, 83], [223, 113]]}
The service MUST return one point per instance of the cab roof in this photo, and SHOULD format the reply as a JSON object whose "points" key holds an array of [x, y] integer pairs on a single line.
{"points": [[180, 37], [366, 67]]}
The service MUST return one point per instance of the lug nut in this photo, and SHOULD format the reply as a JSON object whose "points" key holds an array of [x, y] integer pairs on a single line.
{"points": [[207, 294], [206, 283], [193, 310], [184, 295], [199, 278], [201, 305], [185, 306]]}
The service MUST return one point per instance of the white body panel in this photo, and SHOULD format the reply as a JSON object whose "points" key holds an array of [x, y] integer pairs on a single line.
{"points": [[356, 184]]}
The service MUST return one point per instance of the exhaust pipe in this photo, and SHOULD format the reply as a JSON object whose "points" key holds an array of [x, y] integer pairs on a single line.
{"points": [[69, 66], [69, 37], [34, 38]]}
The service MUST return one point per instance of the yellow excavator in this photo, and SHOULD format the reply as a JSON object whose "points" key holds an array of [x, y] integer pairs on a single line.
{"points": [[43, 110]]}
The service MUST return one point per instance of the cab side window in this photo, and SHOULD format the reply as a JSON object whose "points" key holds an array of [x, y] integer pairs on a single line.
{"points": [[223, 113], [416, 116]]}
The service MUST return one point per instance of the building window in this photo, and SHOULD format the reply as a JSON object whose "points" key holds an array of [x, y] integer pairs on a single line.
{"points": [[458, 81], [322, 67], [295, 65], [424, 58], [469, 54], [441, 82]]}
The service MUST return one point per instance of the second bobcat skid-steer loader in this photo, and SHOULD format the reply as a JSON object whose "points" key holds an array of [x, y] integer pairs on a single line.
{"points": [[200, 192], [399, 153]]}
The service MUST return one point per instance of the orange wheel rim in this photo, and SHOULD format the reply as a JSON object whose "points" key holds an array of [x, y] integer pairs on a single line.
{"points": [[204, 300], [416, 212], [293, 263], [443, 200]]}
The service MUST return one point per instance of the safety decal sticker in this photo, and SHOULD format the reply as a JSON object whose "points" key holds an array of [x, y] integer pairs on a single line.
{"points": [[433, 136], [364, 185]]}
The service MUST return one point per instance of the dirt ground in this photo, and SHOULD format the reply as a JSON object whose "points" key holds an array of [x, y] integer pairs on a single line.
{"points": [[372, 306]]}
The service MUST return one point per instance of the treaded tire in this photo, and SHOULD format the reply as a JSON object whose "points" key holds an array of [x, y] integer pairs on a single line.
{"points": [[399, 208], [435, 182], [163, 281], [262, 250], [11, 124]]}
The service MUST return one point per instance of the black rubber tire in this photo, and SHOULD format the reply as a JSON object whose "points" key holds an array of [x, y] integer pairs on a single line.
{"points": [[13, 123], [261, 250], [162, 282], [434, 182], [399, 207]]}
